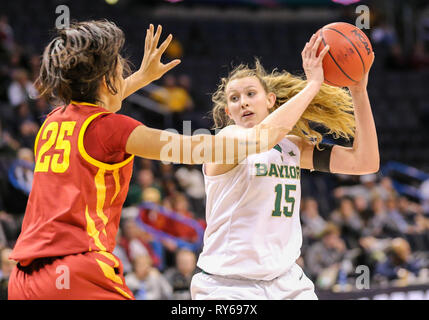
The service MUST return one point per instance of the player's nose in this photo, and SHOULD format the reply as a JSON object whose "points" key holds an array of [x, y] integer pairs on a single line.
{"points": [[244, 102]]}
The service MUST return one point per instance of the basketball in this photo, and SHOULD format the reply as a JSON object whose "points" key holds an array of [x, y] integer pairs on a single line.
{"points": [[349, 56]]}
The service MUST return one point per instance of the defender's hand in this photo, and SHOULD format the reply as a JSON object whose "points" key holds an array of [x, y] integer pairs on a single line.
{"points": [[152, 68]]}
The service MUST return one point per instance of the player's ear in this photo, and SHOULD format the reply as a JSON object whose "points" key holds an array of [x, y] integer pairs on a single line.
{"points": [[271, 100], [103, 83]]}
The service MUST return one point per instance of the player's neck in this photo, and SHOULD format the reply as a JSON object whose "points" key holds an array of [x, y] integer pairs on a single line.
{"points": [[109, 102]]}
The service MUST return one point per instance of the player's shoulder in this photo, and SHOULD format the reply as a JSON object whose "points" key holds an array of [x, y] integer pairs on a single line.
{"points": [[111, 118], [294, 140]]}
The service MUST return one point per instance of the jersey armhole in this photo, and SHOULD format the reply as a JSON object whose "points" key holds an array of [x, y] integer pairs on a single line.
{"points": [[90, 159]]}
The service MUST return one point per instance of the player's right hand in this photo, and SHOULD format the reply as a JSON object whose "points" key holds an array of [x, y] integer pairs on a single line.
{"points": [[312, 63]]}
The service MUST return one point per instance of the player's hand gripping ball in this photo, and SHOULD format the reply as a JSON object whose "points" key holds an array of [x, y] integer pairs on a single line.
{"points": [[350, 54]]}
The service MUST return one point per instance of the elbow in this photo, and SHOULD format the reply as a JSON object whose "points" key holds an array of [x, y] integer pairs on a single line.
{"points": [[373, 168], [368, 167]]}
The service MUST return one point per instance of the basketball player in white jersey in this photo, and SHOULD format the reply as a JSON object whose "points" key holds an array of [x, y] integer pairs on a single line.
{"points": [[253, 235]]}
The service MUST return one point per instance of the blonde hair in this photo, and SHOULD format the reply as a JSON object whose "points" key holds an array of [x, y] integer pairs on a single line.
{"points": [[332, 107]]}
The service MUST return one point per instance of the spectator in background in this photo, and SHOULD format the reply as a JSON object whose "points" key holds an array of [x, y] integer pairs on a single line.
{"points": [[41, 110], [367, 188], [166, 171], [6, 268], [181, 275], [324, 257], [35, 63], [191, 180], [403, 224], [362, 208], [348, 220], [313, 224], [27, 133], [145, 189], [398, 222], [418, 233], [371, 252], [21, 89], [24, 173], [175, 98], [181, 206], [170, 189], [8, 144], [137, 242], [385, 188], [120, 252], [146, 282], [399, 263], [378, 225], [198, 110], [174, 49]]}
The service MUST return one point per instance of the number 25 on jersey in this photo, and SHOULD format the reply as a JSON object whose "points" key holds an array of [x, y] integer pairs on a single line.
{"points": [[57, 136]]}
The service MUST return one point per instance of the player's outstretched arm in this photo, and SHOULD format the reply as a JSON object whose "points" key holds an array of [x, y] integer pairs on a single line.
{"points": [[229, 147], [363, 157], [151, 68]]}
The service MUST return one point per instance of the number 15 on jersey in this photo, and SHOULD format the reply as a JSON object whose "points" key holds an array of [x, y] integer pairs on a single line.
{"points": [[289, 199]]}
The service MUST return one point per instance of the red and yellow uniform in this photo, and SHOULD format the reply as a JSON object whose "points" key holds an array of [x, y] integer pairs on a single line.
{"points": [[74, 208]]}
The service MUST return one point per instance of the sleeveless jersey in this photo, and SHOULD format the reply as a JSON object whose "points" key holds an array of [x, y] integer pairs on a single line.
{"points": [[252, 212], [76, 201]]}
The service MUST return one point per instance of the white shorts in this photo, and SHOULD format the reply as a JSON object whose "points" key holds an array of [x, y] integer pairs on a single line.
{"points": [[294, 284]]}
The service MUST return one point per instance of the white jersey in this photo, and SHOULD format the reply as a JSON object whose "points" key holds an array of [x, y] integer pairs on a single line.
{"points": [[252, 212]]}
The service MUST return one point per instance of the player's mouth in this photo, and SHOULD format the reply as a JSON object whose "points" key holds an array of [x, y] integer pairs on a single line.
{"points": [[247, 114]]}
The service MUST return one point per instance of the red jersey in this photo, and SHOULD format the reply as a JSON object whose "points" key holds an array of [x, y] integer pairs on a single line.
{"points": [[76, 201]]}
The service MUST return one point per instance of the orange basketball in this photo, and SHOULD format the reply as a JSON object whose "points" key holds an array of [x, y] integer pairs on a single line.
{"points": [[349, 56]]}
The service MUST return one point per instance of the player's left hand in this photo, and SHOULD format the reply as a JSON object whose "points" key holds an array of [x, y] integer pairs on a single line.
{"points": [[152, 68], [361, 85]]}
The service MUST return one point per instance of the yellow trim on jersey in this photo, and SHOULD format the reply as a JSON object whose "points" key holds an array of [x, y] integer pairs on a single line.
{"points": [[84, 103], [92, 231], [109, 272], [38, 136], [100, 186], [126, 295], [117, 184], [110, 256], [87, 157]]}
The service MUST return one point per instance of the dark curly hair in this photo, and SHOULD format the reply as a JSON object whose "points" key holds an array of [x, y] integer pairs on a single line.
{"points": [[75, 62]]}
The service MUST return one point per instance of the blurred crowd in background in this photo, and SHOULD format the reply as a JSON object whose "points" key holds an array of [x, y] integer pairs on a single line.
{"points": [[347, 221]]}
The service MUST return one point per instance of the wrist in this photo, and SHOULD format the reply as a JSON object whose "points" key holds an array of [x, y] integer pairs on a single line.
{"points": [[358, 90], [314, 85]]}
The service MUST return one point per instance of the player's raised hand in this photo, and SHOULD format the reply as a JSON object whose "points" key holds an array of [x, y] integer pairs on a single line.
{"points": [[151, 65], [312, 63], [151, 68], [361, 85]]}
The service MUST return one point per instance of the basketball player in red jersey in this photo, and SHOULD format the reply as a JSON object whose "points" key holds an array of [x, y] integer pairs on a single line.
{"points": [[84, 157]]}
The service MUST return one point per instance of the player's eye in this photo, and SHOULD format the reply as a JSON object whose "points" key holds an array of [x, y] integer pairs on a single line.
{"points": [[251, 93], [233, 98]]}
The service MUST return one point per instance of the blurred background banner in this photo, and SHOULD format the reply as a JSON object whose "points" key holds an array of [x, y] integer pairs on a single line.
{"points": [[382, 220]]}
